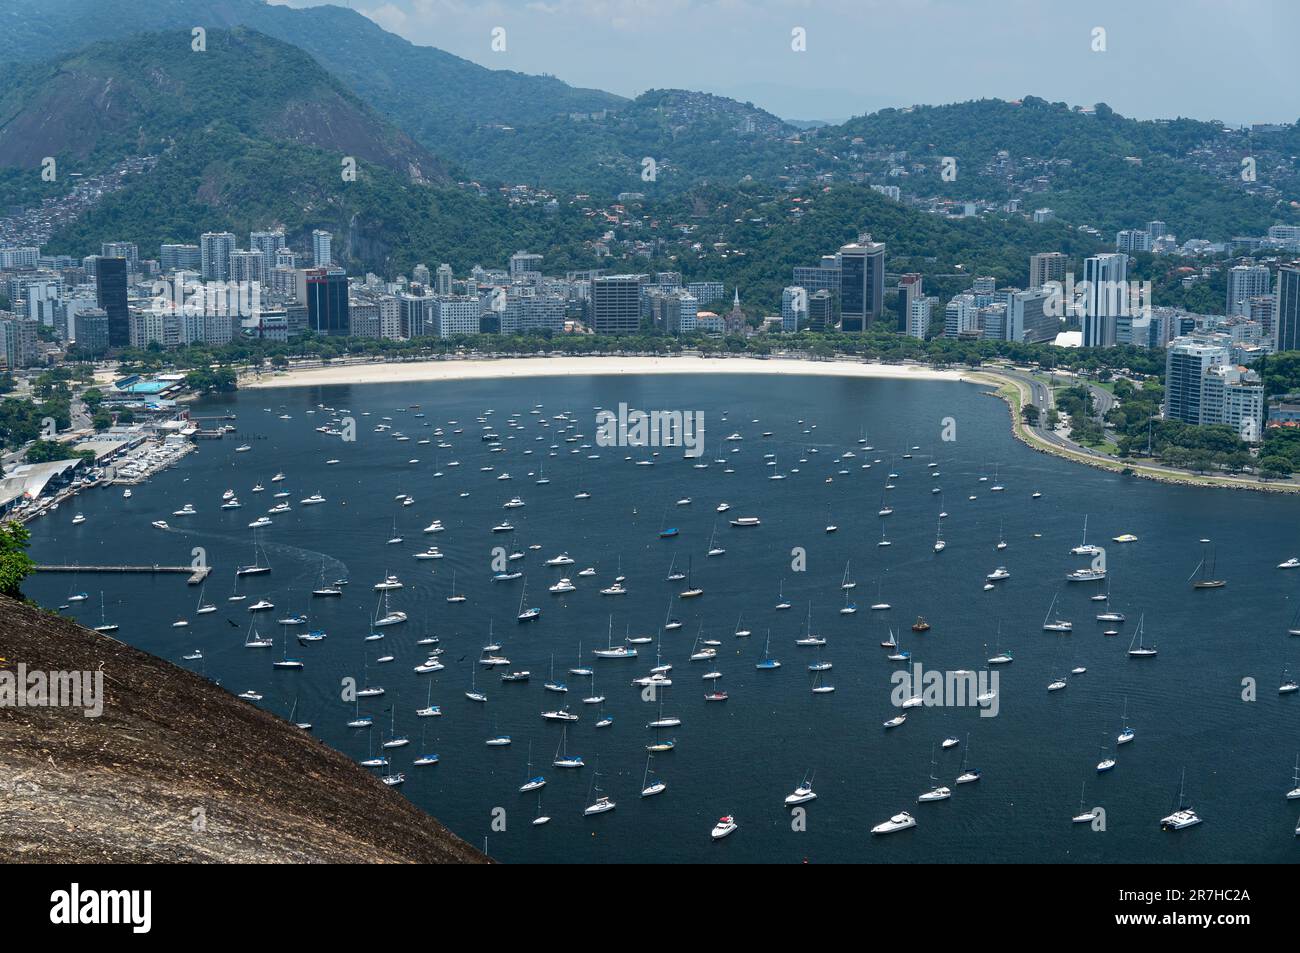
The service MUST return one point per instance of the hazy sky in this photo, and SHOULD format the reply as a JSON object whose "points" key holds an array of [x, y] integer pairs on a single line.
{"points": [[1233, 60]]}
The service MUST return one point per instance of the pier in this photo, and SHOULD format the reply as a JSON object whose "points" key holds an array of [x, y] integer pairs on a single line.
{"points": [[196, 576]]}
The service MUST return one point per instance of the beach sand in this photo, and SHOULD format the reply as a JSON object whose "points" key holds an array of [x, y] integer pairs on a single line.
{"points": [[477, 369]]}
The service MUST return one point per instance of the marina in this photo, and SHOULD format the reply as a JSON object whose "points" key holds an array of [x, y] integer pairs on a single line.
{"points": [[731, 731]]}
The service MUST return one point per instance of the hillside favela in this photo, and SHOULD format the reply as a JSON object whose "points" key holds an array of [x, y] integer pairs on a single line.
{"points": [[620, 433]]}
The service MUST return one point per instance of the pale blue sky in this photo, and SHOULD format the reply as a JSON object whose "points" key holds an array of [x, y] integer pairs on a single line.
{"points": [[1233, 60]]}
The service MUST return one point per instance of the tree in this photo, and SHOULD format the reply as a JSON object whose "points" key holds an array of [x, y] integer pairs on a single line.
{"points": [[15, 564]]}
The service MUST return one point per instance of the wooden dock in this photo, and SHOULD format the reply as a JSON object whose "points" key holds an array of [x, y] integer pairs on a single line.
{"points": [[196, 576]]}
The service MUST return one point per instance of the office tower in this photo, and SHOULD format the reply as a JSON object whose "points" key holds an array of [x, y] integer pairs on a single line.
{"points": [[269, 244], [1028, 319], [615, 305], [417, 316], [1157, 229], [1246, 282], [327, 301], [442, 280], [794, 308], [1287, 314], [821, 311], [110, 294], [1105, 298], [862, 285], [180, 258], [523, 263], [321, 254], [215, 249], [1044, 267], [127, 250], [1133, 240]]}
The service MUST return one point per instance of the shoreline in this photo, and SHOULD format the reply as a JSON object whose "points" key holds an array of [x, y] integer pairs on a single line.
{"points": [[1004, 387], [1011, 392], [458, 369]]}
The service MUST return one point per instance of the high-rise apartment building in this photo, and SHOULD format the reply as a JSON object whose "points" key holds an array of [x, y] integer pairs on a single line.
{"points": [[215, 249], [1246, 282], [1046, 266], [615, 304], [321, 252]]}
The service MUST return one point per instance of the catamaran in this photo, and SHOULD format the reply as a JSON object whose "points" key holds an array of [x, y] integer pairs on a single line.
{"points": [[1205, 580], [1085, 548], [1184, 815]]}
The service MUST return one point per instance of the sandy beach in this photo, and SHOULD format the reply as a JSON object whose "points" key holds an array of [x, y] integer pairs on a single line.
{"points": [[477, 369]]}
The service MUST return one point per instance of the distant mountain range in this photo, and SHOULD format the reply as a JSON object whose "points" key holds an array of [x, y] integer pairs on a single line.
{"points": [[251, 132]]}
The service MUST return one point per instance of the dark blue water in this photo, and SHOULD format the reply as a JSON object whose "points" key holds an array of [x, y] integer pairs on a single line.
{"points": [[743, 756]]}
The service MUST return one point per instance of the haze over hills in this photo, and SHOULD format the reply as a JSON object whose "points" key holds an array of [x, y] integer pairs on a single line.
{"points": [[141, 94], [428, 91]]}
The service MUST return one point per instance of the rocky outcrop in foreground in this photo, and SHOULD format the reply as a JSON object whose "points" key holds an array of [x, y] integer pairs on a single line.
{"points": [[177, 769]]}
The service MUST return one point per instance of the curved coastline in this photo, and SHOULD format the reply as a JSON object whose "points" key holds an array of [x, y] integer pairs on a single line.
{"points": [[1005, 387]]}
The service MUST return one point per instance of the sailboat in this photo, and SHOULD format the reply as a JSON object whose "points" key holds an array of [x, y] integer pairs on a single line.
{"points": [[284, 661], [939, 544], [257, 567], [551, 685], [325, 591], [938, 792], [767, 662], [532, 782], [104, 625], [1085, 548], [714, 548], [389, 617], [691, 590], [1107, 762], [562, 757], [1184, 815], [203, 608], [474, 694], [1002, 540], [527, 615], [1055, 625], [1084, 817], [968, 775], [454, 596], [650, 786], [1126, 734], [1205, 579], [781, 602], [1142, 650]]}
